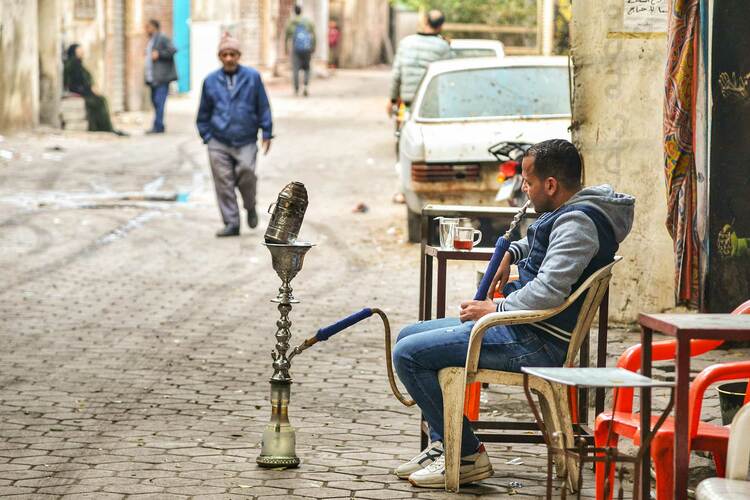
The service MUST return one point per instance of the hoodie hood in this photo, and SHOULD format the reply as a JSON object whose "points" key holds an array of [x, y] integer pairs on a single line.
{"points": [[618, 208]]}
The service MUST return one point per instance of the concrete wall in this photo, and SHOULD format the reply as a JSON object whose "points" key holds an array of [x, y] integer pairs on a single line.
{"points": [[50, 63], [406, 23], [19, 78], [618, 101], [364, 27]]}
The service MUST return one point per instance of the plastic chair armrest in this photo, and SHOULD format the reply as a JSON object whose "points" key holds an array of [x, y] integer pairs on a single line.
{"points": [[711, 375]]}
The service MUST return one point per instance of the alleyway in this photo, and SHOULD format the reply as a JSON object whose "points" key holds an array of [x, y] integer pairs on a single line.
{"points": [[135, 345]]}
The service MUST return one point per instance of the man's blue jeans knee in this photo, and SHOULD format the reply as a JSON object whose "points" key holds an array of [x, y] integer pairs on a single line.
{"points": [[423, 349]]}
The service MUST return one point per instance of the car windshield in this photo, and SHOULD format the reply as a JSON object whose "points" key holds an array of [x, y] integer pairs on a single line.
{"points": [[510, 91], [473, 52]]}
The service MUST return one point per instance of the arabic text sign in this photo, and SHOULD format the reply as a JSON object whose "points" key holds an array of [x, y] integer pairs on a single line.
{"points": [[645, 16]]}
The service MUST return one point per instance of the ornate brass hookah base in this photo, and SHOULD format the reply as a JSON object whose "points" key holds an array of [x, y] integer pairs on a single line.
{"points": [[278, 449]]}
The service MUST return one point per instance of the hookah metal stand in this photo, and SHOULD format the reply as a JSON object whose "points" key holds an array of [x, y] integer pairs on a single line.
{"points": [[278, 447]]}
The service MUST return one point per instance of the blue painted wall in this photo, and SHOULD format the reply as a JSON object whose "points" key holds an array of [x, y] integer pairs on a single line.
{"points": [[181, 28]]}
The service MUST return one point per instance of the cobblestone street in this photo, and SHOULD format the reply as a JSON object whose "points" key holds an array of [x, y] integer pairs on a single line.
{"points": [[135, 345]]}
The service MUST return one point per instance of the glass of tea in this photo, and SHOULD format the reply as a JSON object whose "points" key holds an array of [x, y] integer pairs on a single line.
{"points": [[447, 227], [464, 238]]}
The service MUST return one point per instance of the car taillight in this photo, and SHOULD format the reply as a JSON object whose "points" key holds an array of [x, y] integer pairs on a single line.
{"points": [[508, 169], [436, 172]]}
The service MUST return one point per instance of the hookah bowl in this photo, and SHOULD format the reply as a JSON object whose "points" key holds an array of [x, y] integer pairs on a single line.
{"points": [[279, 440]]}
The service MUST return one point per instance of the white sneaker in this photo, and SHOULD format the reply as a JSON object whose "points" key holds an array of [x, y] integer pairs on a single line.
{"points": [[428, 456], [473, 468]]}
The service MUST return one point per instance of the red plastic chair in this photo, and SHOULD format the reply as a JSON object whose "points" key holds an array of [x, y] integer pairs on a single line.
{"points": [[703, 435]]}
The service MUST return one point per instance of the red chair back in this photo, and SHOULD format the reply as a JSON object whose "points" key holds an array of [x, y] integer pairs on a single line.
{"points": [[709, 376]]}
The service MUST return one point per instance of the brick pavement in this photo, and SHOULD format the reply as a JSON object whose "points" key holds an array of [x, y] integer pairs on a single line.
{"points": [[136, 346]]}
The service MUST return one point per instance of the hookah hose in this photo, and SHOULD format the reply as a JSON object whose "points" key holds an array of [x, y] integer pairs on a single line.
{"points": [[324, 334], [502, 245]]}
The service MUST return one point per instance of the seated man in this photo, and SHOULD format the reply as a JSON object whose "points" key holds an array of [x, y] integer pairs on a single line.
{"points": [[577, 233]]}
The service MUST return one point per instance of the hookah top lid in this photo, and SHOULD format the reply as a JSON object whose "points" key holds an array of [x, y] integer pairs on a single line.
{"points": [[295, 190]]}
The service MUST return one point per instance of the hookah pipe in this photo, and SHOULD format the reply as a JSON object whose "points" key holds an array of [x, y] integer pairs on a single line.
{"points": [[324, 334], [501, 246]]}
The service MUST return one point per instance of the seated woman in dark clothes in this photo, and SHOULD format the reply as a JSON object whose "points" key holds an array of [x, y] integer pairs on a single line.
{"points": [[77, 79]]}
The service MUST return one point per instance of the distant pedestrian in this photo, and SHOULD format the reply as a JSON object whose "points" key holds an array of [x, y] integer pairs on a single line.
{"points": [[234, 105], [414, 54], [334, 36], [301, 31], [77, 80], [159, 71]]}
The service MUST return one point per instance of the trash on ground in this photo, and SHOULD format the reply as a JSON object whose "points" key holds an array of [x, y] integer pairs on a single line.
{"points": [[515, 484], [515, 461], [391, 231], [360, 208], [398, 198]]}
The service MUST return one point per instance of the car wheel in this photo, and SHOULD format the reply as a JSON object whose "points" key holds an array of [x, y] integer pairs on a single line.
{"points": [[413, 225]]}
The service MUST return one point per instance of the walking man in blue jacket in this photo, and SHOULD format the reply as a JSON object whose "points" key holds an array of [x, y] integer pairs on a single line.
{"points": [[234, 105]]}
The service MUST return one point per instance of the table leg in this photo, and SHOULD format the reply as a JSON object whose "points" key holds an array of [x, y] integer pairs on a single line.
{"points": [[422, 282], [427, 288], [440, 306], [601, 348], [682, 448], [583, 392], [645, 402]]}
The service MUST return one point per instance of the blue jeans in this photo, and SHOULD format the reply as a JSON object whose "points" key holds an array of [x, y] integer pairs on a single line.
{"points": [[159, 100], [424, 348]]}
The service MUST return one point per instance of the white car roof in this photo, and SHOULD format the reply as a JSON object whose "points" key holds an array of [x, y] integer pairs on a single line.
{"points": [[448, 65], [479, 43]]}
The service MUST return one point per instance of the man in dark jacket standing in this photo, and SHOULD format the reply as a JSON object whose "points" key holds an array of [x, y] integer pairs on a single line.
{"points": [[234, 105], [159, 71]]}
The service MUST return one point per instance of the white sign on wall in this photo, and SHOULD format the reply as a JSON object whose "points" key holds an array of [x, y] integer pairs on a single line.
{"points": [[645, 16]]}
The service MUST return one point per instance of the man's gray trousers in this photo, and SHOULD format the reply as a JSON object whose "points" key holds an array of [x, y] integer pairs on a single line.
{"points": [[233, 168]]}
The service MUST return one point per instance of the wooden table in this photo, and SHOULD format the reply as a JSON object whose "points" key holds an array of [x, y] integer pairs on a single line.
{"points": [[684, 327]]}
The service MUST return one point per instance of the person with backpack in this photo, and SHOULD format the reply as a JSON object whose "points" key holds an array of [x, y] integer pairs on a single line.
{"points": [[301, 32]]}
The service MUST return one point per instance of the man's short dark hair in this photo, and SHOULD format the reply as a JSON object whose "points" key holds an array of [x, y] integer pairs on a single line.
{"points": [[557, 158], [156, 24], [435, 19], [298, 9]]}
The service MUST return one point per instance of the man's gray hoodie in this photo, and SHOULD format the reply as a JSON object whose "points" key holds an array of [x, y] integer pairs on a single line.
{"points": [[573, 243]]}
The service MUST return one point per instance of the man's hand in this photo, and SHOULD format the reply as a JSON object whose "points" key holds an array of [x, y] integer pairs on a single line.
{"points": [[501, 276], [154, 55], [266, 145], [472, 310]]}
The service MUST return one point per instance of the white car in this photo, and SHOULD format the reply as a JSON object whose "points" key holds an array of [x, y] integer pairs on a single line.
{"points": [[465, 106], [476, 47]]}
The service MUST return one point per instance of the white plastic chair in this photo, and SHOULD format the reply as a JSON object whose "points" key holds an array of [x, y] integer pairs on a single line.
{"points": [[553, 398], [735, 486]]}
